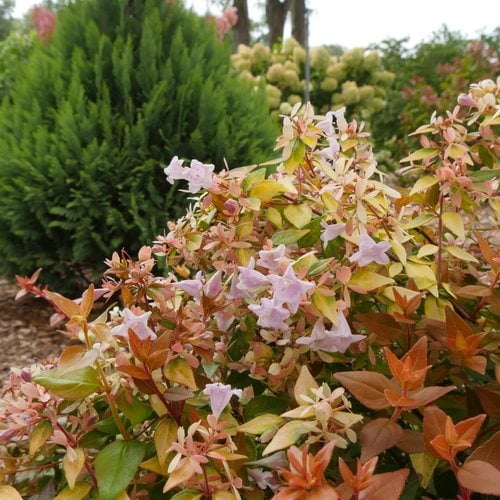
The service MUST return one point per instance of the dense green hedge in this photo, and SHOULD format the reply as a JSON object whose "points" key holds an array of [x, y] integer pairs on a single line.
{"points": [[122, 87]]}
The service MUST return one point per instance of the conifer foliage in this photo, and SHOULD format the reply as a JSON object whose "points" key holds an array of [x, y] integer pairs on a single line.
{"points": [[122, 85]]}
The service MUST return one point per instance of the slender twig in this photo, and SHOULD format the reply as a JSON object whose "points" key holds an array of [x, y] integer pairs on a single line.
{"points": [[440, 239]]}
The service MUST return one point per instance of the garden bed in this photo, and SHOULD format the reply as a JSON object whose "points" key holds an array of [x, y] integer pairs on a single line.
{"points": [[25, 334]]}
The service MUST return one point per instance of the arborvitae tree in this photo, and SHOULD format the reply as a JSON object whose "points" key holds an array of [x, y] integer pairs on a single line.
{"points": [[122, 87]]}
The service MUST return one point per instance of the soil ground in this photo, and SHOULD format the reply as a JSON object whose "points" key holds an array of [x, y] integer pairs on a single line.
{"points": [[25, 334]]}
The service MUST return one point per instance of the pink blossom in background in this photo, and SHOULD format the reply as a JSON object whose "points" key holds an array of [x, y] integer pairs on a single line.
{"points": [[220, 395], [338, 339], [44, 21], [369, 251], [225, 21]]}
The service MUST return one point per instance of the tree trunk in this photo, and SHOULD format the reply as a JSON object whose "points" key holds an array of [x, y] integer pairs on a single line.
{"points": [[276, 12], [241, 31], [299, 21]]}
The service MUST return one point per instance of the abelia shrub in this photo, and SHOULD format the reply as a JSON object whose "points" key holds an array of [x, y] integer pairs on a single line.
{"points": [[310, 331]]}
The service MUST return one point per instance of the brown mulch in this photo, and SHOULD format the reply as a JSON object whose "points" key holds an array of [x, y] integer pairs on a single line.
{"points": [[25, 334]]}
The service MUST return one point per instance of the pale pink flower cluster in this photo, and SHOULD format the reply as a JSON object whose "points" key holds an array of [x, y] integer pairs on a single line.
{"points": [[226, 21], [44, 21], [199, 175]]}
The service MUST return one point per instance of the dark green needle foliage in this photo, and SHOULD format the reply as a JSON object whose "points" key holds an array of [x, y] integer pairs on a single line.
{"points": [[122, 87]]}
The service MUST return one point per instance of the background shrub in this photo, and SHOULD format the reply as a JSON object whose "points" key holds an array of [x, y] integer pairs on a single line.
{"points": [[355, 78], [121, 87]]}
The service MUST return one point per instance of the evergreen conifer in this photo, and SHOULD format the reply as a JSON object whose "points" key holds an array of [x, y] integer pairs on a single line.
{"points": [[122, 87]]}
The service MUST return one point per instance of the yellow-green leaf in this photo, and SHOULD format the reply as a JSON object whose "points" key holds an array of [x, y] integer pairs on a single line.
{"points": [[305, 382], [288, 435], [399, 250], [71, 386], [453, 221], [39, 436], [325, 304], [420, 220], [9, 493], [421, 154], [261, 424], [367, 280], [178, 370], [79, 492], [422, 275], [424, 465], [274, 216], [267, 190], [423, 184], [426, 250], [298, 215], [165, 434], [73, 463], [460, 253], [253, 178]]}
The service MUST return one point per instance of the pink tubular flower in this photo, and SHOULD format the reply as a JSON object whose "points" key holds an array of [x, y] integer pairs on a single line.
{"points": [[338, 339], [288, 289], [220, 395], [369, 251], [138, 323], [199, 175], [331, 231], [175, 171], [193, 287], [270, 259], [326, 125], [466, 100], [270, 314], [250, 279]]}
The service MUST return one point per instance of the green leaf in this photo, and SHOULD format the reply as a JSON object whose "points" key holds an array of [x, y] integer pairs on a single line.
{"points": [[288, 236], [421, 154], [116, 466], [136, 411], [484, 175], [423, 184], [420, 220], [314, 228], [187, 495], [264, 404], [73, 385]]}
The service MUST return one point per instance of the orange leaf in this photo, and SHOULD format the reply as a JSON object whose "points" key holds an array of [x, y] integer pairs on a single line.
{"points": [[434, 422], [87, 301], [377, 436], [182, 473], [468, 429], [383, 325], [426, 395], [134, 371], [480, 476], [454, 323], [67, 306], [367, 387], [412, 442], [386, 486], [488, 253]]}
